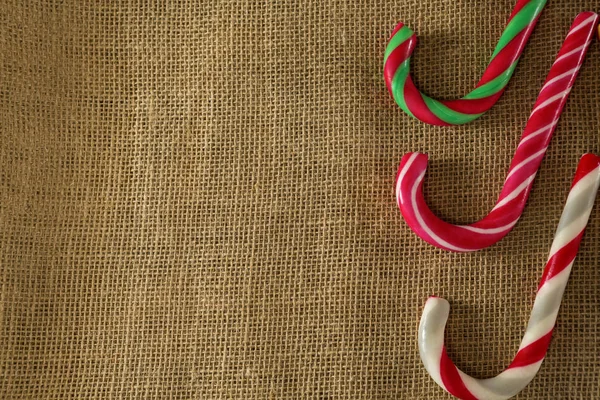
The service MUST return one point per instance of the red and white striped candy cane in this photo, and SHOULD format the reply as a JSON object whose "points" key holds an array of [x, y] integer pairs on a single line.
{"points": [[537, 337], [524, 166]]}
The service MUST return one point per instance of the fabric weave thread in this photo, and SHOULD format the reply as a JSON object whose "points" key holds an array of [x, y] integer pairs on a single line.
{"points": [[197, 201]]}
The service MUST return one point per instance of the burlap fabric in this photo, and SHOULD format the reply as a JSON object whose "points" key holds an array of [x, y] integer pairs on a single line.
{"points": [[197, 201]]}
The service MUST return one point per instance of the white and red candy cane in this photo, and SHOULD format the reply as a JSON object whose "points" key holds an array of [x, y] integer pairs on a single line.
{"points": [[538, 334], [524, 166]]}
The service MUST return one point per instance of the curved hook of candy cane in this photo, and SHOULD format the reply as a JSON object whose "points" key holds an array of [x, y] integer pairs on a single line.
{"points": [[537, 337], [489, 89], [523, 169]]}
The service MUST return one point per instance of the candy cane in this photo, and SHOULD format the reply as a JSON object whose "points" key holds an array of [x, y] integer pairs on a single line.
{"points": [[489, 89], [524, 166], [538, 334]]}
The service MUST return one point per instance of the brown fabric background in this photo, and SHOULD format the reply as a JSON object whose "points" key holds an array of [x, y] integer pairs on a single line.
{"points": [[196, 201]]}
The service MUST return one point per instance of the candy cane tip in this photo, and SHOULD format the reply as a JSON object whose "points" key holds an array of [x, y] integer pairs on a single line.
{"points": [[588, 163], [410, 163], [407, 29], [399, 26], [435, 302], [586, 14], [590, 158], [433, 322], [416, 156]]}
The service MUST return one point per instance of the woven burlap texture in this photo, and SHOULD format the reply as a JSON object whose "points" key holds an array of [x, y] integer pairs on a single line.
{"points": [[197, 201]]}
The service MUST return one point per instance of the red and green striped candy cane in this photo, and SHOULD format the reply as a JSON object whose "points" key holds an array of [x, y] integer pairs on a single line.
{"points": [[489, 89]]}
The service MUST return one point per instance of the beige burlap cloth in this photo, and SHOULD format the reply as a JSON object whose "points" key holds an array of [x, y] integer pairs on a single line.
{"points": [[196, 201]]}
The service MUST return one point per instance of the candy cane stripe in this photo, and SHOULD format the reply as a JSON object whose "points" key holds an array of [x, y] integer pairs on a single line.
{"points": [[492, 230], [426, 228], [529, 159], [552, 99], [561, 259], [532, 135], [558, 78], [519, 190]]}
